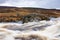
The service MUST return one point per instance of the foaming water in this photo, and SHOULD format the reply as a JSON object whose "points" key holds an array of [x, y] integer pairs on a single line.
{"points": [[41, 30]]}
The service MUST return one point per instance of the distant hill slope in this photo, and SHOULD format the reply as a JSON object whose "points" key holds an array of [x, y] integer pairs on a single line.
{"points": [[9, 14]]}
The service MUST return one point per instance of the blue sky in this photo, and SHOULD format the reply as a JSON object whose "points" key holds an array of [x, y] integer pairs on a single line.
{"points": [[32, 3]]}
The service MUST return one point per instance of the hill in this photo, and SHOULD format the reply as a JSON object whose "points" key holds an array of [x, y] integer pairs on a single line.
{"points": [[25, 14]]}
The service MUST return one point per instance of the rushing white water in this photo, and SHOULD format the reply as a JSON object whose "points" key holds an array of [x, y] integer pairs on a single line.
{"points": [[42, 30]]}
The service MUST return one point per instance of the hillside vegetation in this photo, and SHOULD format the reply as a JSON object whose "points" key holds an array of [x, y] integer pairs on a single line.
{"points": [[26, 14]]}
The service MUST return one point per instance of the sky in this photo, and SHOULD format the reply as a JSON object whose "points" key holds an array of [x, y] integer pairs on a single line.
{"points": [[32, 3]]}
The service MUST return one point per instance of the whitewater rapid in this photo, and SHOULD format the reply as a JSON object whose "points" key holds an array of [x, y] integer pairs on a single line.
{"points": [[42, 30]]}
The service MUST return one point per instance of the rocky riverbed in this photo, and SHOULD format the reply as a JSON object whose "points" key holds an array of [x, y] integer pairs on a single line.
{"points": [[42, 30], [29, 23]]}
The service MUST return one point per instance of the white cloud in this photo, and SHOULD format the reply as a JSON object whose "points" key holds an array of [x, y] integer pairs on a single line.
{"points": [[6, 4], [33, 3], [24, 3], [2, 1]]}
